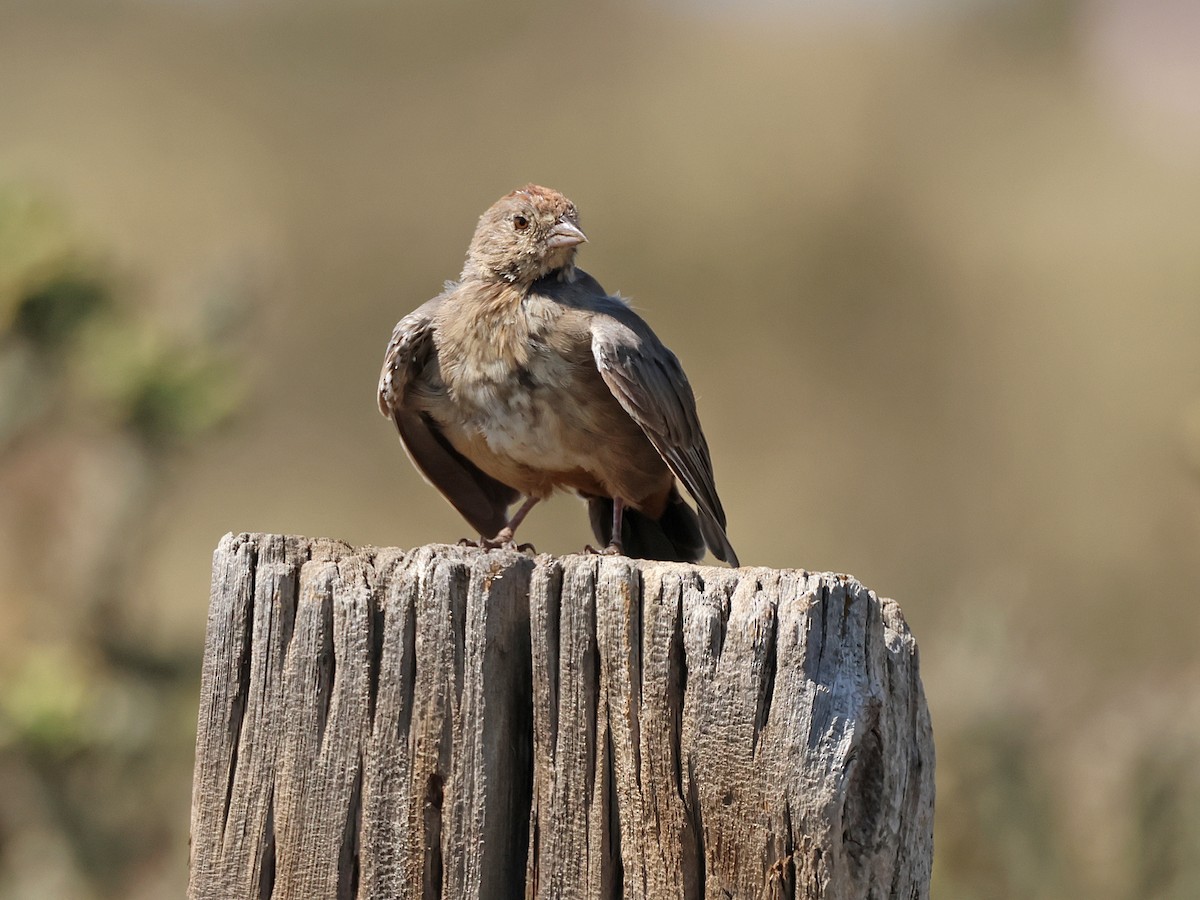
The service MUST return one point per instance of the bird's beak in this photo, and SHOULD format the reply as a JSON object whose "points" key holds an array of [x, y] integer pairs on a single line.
{"points": [[565, 233]]}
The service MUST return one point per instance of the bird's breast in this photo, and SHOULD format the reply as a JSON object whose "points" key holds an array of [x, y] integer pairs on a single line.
{"points": [[525, 402], [522, 409]]}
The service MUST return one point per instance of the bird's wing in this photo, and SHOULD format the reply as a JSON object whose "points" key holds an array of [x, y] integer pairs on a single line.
{"points": [[480, 499], [650, 385], [408, 352]]}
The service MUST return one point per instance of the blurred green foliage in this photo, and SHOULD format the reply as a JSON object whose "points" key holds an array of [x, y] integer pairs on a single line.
{"points": [[79, 345], [43, 705], [1164, 851], [50, 314], [88, 711]]}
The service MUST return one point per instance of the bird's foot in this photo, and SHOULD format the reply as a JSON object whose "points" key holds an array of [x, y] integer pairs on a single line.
{"points": [[504, 541], [499, 542], [613, 549], [486, 544]]}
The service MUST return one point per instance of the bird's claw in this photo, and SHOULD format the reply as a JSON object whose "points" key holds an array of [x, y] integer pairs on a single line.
{"points": [[496, 543], [501, 541], [610, 550]]}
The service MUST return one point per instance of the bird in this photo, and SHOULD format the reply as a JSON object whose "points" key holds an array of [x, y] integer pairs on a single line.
{"points": [[525, 377]]}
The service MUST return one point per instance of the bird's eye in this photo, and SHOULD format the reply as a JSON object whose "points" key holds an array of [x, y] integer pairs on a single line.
{"points": [[520, 223]]}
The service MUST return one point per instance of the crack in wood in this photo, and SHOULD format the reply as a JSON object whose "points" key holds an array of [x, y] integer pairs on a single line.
{"points": [[348, 858], [237, 706], [266, 876], [766, 691], [434, 870]]}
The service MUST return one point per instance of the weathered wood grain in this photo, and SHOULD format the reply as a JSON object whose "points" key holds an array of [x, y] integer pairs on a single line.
{"points": [[450, 722]]}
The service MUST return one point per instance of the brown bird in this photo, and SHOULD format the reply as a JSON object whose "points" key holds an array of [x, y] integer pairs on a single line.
{"points": [[525, 377]]}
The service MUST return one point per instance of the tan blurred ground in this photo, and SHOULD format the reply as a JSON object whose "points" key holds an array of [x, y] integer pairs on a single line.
{"points": [[935, 278]]}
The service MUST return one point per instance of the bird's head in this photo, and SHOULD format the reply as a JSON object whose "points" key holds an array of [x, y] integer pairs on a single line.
{"points": [[525, 236]]}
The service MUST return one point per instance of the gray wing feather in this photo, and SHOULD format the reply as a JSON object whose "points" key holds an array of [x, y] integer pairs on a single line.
{"points": [[407, 354], [649, 383], [480, 499]]}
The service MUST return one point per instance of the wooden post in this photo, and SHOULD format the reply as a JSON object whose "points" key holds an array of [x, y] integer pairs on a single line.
{"points": [[455, 723]]}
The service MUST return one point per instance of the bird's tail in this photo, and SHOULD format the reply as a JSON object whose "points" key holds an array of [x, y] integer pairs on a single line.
{"points": [[674, 536]]}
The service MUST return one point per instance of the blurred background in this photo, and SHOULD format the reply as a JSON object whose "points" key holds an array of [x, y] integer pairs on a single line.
{"points": [[933, 269]]}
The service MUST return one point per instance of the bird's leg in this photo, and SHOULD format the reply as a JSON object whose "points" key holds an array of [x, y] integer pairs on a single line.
{"points": [[614, 547], [504, 537]]}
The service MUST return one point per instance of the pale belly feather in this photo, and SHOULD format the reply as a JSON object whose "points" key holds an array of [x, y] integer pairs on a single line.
{"points": [[531, 426]]}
